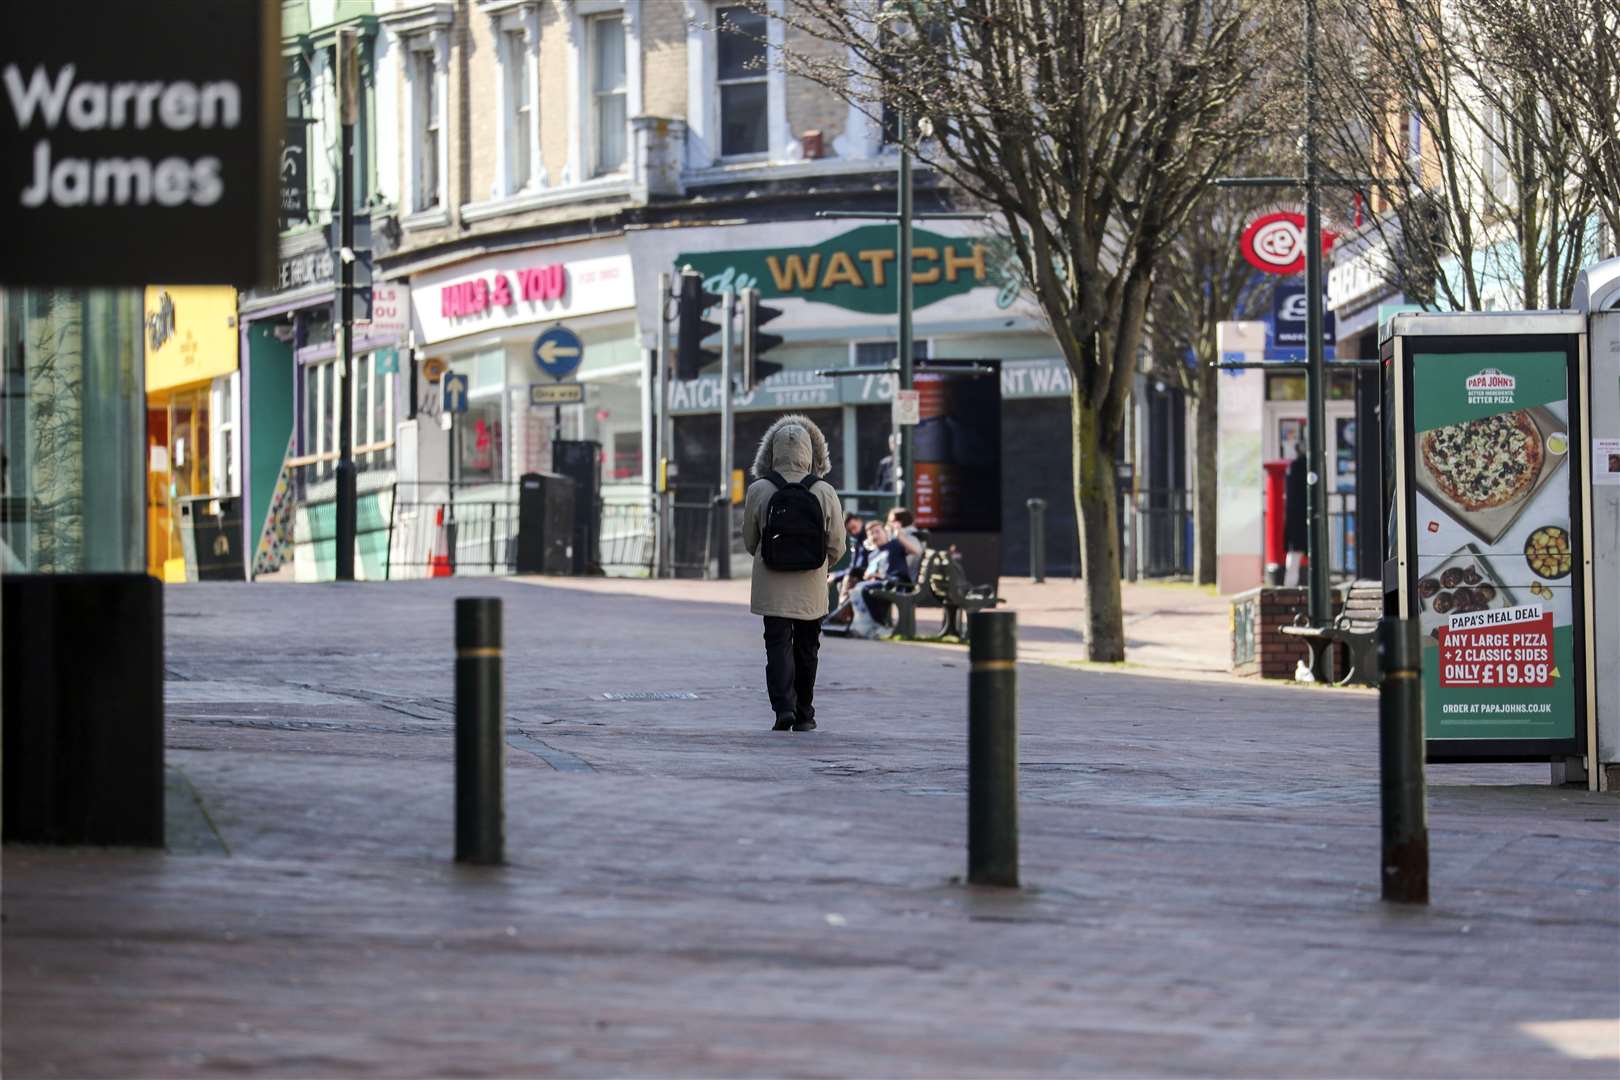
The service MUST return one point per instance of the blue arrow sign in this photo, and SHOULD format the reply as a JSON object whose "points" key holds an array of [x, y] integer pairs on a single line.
{"points": [[558, 352], [455, 393]]}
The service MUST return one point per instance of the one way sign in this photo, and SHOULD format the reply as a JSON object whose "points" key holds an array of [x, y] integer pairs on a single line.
{"points": [[455, 394]]}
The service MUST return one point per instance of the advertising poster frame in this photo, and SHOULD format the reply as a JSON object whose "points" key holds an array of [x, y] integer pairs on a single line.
{"points": [[1442, 373]]}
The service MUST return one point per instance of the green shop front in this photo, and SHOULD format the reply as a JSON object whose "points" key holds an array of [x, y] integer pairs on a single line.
{"points": [[836, 287], [1487, 506]]}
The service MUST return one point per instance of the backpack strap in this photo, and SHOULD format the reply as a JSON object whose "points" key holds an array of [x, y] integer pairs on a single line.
{"points": [[776, 478]]}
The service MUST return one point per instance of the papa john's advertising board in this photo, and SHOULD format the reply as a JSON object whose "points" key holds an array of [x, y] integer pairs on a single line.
{"points": [[1489, 538]]}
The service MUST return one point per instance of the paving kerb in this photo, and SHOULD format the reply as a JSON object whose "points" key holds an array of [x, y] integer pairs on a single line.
{"points": [[703, 896]]}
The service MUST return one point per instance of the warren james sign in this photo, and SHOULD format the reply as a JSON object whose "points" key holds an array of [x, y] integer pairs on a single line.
{"points": [[137, 152]]}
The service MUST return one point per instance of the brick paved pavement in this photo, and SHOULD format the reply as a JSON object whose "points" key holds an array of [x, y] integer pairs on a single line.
{"points": [[692, 894]]}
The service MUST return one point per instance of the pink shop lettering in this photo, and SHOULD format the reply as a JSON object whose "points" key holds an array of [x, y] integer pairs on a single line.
{"points": [[535, 283]]}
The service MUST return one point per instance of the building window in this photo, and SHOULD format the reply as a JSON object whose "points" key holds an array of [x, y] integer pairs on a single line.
{"points": [[371, 413], [425, 92], [741, 76], [225, 477], [608, 120], [520, 110]]}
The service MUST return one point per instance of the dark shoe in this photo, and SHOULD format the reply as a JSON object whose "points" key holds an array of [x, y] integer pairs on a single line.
{"points": [[804, 725], [784, 723]]}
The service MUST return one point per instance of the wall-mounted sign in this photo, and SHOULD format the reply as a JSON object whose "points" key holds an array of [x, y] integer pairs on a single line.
{"points": [[1288, 318], [556, 393], [191, 334], [1275, 243], [307, 268], [390, 310], [516, 288], [856, 270], [146, 131], [558, 352], [293, 172]]}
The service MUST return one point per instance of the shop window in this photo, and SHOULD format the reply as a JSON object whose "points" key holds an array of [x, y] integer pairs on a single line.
{"points": [[480, 443], [1285, 386], [225, 475], [608, 99], [626, 464], [741, 78], [371, 417]]}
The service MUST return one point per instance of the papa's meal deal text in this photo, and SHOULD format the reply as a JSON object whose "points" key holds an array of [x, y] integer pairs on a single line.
{"points": [[1495, 549], [133, 153]]}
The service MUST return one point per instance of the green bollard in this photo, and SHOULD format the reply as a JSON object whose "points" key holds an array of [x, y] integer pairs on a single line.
{"points": [[480, 734], [993, 748], [1400, 762]]}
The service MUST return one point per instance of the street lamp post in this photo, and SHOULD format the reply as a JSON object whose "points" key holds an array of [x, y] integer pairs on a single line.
{"points": [[348, 107], [902, 438], [1316, 544]]}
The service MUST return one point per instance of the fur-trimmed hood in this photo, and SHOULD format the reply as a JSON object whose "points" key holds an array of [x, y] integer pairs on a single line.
{"points": [[794, 444]]}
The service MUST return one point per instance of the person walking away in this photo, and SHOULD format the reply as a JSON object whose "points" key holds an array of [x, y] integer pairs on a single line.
{"points": [[792, 526], [888, 566]]}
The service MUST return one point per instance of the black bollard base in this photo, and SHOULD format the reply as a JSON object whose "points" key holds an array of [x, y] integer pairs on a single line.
{"points": [[480, 733], [993, 748]]}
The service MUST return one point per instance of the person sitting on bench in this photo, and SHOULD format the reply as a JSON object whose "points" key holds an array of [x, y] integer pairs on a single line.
{"points": [[886, 567]]}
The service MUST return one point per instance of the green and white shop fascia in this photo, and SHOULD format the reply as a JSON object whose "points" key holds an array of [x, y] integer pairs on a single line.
{"points": [[835, 285], [482, 317]]}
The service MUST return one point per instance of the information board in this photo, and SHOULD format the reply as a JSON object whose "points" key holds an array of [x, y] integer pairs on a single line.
{"points": [[1492, 542], [958, 447]]}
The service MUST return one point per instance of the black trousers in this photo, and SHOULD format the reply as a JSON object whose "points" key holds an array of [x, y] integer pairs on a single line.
{"points": [[791, 646]]}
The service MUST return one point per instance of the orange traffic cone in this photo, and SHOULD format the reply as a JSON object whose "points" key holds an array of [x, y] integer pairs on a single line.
{"points": [[439, 562]]}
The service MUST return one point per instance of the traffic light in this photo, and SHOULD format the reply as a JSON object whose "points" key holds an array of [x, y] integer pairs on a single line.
{"points": [[690, 355], [754, 343]]}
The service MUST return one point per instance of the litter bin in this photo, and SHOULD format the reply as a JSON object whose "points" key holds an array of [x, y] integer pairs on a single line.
{"points": [[545, 538], [211, 537]]}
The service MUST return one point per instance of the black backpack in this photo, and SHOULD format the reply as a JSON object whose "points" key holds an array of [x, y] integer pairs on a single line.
{"points": [[795, 532]]}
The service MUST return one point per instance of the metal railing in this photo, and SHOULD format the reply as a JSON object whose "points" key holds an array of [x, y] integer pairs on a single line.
{"points": [[626, 539], [445, 529]]}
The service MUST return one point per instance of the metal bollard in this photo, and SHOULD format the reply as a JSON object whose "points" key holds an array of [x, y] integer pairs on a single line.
{"points": [[720, 520], [480, 732], [993, 748], [1400, 762], [1037, 539]]}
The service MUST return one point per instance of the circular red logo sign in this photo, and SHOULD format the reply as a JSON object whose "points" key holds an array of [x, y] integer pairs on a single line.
{"points": [[1275, 243]]}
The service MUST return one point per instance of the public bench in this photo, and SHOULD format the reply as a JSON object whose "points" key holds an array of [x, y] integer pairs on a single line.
{"points": [[942, 583], [1355, 627]]}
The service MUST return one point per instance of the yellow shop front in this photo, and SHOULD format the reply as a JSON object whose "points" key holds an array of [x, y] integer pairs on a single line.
{"points": [[193, 401]]}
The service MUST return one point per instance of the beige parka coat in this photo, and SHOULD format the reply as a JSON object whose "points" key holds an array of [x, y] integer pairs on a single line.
{"points": [[794, 447]]}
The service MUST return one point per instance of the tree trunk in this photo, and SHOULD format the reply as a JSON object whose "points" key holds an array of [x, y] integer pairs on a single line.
{"points": [[1205, 437], [1094, 501]]}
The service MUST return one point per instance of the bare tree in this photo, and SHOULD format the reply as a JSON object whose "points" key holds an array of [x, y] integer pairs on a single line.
{"points": [[1089, 129], [1484, 200], [1566, 53]]}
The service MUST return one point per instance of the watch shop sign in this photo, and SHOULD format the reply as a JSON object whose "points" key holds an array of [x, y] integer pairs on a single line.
{"points": [[132, 145]]}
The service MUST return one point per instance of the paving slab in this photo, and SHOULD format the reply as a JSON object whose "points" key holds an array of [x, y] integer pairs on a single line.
{"points": [[689, 893]]}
